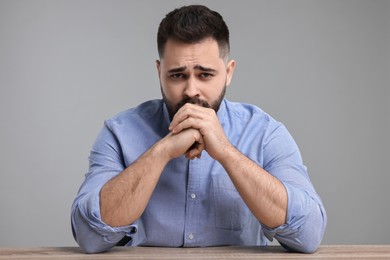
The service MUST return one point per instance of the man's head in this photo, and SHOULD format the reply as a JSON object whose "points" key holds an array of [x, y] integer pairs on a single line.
{"points": [[192, 24], [194, 66]]}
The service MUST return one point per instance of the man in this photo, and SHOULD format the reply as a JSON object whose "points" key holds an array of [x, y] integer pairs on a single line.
{"points": [[195, 169]]}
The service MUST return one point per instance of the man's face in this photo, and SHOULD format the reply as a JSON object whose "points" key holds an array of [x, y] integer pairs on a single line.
{"points": [[193, 73]]}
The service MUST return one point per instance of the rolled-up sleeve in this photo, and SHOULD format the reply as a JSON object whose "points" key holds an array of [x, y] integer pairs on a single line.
{"points": [[306, 216], [305, 223], [89, 231]]}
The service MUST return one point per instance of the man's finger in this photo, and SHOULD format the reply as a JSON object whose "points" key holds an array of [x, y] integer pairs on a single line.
{"points": [[185, 112]]}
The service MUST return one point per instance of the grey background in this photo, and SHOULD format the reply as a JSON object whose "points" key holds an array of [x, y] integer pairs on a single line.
{"points": [[320, 67]]}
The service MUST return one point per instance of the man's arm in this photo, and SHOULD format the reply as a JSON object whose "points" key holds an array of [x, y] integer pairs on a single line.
{"points": [[284, 202], [264, 194], [301, 229], [134, 186], [106, 165]]}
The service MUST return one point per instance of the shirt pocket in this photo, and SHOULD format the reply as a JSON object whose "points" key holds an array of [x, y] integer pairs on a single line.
{"points": [[231, 211]]}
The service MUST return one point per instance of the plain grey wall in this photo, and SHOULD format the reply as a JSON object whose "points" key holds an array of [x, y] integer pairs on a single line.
{"points": [[320, 67]]}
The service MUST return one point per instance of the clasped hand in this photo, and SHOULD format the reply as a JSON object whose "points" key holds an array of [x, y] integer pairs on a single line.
{"points": [[194, 129]]}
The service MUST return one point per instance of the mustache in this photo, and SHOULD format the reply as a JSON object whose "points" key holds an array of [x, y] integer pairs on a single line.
{"points": [[192, 100]]}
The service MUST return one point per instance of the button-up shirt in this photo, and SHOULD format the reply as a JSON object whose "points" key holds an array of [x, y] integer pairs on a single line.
{"points": [[195, 203]]}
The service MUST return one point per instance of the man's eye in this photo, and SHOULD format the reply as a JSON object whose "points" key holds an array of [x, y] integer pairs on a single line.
{"points": [[177, 76], [206, 75]]}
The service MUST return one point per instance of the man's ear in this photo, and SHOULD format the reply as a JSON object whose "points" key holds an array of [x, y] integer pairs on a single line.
{"points": [[158, 65], [229, 71]]}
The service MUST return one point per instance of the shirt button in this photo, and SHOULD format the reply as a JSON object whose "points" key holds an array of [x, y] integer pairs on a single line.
{"points": [[191, 236], [193, 195]]}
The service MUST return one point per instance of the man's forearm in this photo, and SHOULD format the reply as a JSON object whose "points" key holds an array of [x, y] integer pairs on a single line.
{"points": [[264, 194], [124, 198]]}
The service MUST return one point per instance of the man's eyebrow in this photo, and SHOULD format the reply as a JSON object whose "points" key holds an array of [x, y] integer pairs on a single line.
{"points": [[199, 67], [176, 70]]}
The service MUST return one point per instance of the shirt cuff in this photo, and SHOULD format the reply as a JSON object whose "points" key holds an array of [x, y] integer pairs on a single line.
{"points": [[89, 207], [298, 209]]}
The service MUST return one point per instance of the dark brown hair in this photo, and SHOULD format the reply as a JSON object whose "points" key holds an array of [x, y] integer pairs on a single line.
{"points": [[192, 24]]}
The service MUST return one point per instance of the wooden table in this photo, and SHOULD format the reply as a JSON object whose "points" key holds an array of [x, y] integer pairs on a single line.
{"points": [[270, 252]]}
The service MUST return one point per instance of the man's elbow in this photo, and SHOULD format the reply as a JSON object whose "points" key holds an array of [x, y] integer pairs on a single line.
{"points": [[91, 248], [89, 245], [305, 245], [307, 248], [88, 240], [310, 235]]}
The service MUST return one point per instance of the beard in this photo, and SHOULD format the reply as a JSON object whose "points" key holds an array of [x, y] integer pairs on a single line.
{"points": [[173, 108]]}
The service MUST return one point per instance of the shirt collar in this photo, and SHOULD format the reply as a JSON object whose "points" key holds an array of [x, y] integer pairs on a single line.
{"points": [[222, 111], [166, 119]]}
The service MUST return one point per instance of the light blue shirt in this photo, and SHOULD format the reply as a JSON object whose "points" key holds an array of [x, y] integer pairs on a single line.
{"points": [[195, 204]]}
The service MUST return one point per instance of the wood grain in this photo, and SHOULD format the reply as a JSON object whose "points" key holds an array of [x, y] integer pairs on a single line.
{"points": [[270, 252]]}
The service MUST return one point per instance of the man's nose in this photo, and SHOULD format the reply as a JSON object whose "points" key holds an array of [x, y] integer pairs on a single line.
{"points": [[191, 88]]}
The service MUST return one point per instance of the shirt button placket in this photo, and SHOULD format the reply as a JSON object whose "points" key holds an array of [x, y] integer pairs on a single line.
{"points": [[192, 214]]}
